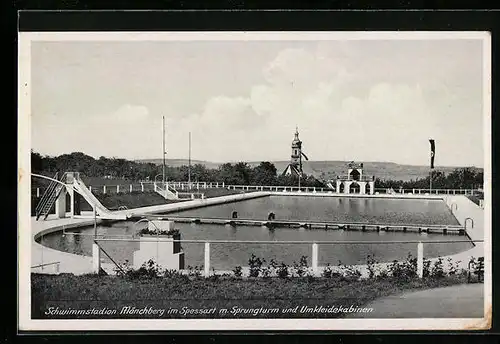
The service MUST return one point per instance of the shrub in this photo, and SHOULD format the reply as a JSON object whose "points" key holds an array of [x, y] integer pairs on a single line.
{"points": [[348, 273], [149, 269], [327, 271], [437, 270], [370, 262], [213, 278], [283, 271], [255, 264], [194, 271], [300, 269], [426, 268], [453, 268], [170, 232], [404, 270], [238, 271], [269, 271]]}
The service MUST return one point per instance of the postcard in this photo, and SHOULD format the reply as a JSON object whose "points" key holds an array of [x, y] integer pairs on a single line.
{"points": [[254, 181]]}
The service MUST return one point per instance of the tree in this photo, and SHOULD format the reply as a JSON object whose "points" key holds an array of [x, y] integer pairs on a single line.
{"points": [[264, 174], [36, 162], [242, 173]]}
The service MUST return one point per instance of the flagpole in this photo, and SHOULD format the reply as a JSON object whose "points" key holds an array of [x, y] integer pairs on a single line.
{"points": [[430, 180], [431, 167], [189, 162], [163, 130]]}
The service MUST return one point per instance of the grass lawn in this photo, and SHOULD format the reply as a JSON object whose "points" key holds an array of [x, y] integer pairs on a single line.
{"points": [[136, 199], [178, 292]]}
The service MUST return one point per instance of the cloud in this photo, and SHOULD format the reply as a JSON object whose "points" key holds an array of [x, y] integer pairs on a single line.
{"points": [[125, 115], [351, 100], [314, 91]]}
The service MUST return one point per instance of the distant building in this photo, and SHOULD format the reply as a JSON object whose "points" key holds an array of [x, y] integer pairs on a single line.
{"points": [[295, 166], [355, 182]]}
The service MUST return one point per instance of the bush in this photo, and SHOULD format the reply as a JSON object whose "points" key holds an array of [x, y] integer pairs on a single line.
{"points": [[238, 271], [269, 271], [170, 232], [148, 270], [283, 271], [255, 264], [327, 271], [194, 271], [370, 262], [405, 270], [300, 269], [437, 270], [349, 273]]}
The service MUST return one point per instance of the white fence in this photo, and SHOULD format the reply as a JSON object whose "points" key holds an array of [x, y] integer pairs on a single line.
{"points": [[186, 186], [315, 249]]}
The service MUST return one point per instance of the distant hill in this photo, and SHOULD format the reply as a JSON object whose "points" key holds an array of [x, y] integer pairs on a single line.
{"points": [[181, 162], [330, 169]]}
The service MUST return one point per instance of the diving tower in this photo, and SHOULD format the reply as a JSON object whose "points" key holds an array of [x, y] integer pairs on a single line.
{"points": [[69, 183]]}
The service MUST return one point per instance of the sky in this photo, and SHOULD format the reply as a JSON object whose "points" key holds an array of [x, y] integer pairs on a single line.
{"points": [[363, 100]]}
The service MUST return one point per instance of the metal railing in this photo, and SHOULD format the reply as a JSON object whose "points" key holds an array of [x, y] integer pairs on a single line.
{"points": [[43, 266], [49, 196]]}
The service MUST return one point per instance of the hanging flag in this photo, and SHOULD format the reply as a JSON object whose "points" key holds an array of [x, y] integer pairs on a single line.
{"points": [[432, 152]]}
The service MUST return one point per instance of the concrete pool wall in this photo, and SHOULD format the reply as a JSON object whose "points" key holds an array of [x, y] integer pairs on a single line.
{"points": [[78, 264]]}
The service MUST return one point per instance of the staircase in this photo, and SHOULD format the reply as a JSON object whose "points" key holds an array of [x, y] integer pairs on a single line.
{"points": [[167, 193], [49, 197]]}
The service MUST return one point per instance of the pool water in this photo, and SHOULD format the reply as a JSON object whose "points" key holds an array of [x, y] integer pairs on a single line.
{"points": [[341, 209], [229, 255]]}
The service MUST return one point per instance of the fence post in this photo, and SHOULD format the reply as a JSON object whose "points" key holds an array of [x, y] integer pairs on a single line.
{"points": [[207, 259], [420, 260], [37, 192], [142, 187], [130, 188], [315, 258], [104, 189], [90, 188], [96, 258], [118, 189]]}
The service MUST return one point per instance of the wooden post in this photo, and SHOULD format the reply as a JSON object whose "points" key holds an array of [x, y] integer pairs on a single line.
{"points": [[420, 260], [130, 188], [96, 258], [37, 192], [104, 189], [315, 258], [118, 189], [207, 259], [142, 187]]}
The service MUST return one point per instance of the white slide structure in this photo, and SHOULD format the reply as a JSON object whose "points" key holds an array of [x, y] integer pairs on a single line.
{"points": [[330, 185], [100, 209]]}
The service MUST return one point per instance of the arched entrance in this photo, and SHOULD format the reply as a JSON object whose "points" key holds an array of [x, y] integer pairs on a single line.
{"points": [[354, 188], [341, 188]]}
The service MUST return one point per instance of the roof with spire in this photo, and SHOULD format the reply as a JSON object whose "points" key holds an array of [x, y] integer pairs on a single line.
{"points": [[296, 141]]}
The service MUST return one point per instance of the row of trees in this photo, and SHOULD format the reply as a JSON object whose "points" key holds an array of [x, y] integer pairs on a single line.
{"points": [[236, 174], [460, 178]]}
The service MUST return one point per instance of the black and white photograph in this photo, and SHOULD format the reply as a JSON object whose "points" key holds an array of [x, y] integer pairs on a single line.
{"points": [[254, 180]]}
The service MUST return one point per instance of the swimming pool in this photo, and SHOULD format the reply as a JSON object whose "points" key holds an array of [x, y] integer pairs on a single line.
{"points": [[226, 256]]}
